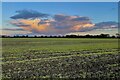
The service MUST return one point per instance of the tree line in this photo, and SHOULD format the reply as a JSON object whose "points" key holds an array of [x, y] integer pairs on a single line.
{"points": [[66, 36]]}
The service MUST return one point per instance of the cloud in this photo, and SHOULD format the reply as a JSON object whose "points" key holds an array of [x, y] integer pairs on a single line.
{"points": [[27, 14], [34, 22], [73, 23], [106, 25], [13, 29], [78, 18], [62, 17], [33, 25], [60, 23], [102, 25], [18, 23]]}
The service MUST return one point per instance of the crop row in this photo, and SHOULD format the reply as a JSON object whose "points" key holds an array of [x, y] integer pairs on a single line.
{"points": [[95, 65]]}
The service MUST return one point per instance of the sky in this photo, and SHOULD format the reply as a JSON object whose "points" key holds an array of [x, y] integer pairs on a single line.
{"points": [[60, 0], [54, 18]]}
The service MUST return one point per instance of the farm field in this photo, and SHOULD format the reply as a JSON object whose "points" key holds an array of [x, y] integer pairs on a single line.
{"points": [[60, 58]]}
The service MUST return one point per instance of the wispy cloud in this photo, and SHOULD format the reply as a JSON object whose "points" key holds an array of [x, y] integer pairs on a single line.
{"points": [[13, 29]]}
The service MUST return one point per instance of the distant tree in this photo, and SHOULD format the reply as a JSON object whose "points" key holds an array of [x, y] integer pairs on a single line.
{"points": [[26, 36], [35, 36], [118, 35], [87, 36], [50, 36], [104, 35], [113, 36]]}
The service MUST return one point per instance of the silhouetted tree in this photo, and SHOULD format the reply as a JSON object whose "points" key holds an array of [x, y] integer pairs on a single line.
{"points": [[118, 35], [66, 36]]}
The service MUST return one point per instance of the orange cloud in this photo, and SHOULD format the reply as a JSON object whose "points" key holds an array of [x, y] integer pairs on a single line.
{"points": [[51, 26], [59, 24], [82, 26], [34, 25]]}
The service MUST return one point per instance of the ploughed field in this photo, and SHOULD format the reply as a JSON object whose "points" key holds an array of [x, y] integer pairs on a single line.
{"points": [[60, 58]]}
